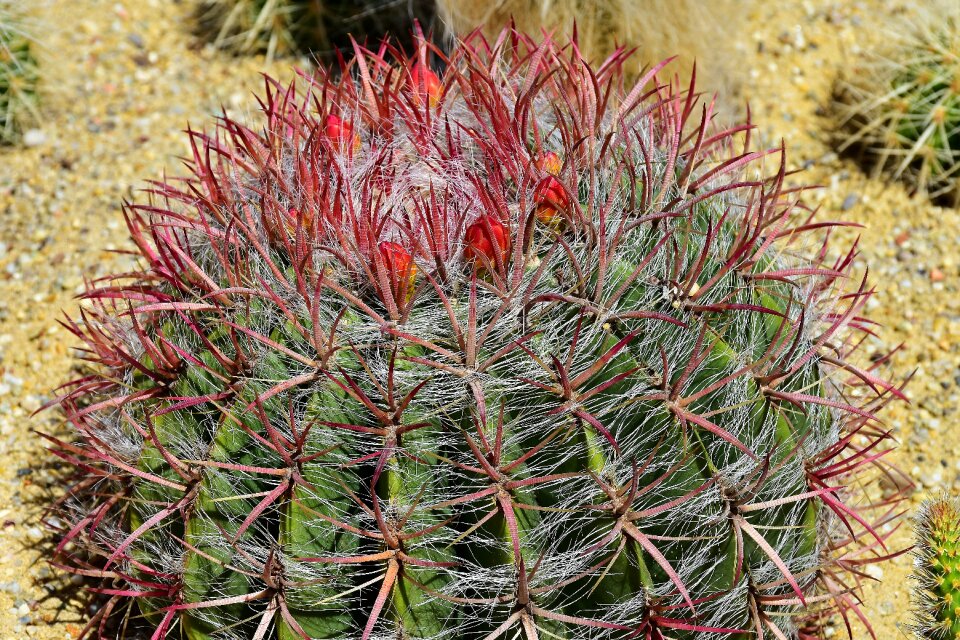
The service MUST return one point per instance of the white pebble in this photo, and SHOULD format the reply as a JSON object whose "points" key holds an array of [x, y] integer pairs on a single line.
{"points": [[34, 137], [874, 571]]}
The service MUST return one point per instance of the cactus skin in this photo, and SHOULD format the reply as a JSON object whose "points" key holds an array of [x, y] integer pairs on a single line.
{"points": [[319, 27], [19, 74], [900, 110], [937, 570], [633, 421]]}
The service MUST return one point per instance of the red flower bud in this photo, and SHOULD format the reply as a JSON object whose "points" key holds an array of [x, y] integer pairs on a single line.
{"points": [[550, 198], [550, 163], [304, 219], [401, 270], [485, 239], [423, 81], [340, 133]]}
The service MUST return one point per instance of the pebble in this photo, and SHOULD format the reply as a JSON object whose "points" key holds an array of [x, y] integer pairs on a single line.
{"points": [[874, 571], [932, 480], [849, 202], [34, 137], [12, 587]]}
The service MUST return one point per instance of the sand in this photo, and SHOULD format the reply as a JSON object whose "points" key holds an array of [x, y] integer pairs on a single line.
{"points": [[124, 77]]}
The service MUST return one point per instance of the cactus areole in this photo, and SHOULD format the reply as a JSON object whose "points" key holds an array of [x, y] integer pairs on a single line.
{"points": [[936, 576], [543, 356]]}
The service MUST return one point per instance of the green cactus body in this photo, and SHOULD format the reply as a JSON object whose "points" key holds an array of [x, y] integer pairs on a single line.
{"points": [[386, 384], [937, 576]]}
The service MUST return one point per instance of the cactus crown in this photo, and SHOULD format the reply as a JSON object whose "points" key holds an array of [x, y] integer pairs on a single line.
{"points": [[936, 601], [514, 351], [901, 108]]}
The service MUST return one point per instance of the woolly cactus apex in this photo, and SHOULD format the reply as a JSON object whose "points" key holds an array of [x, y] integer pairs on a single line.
{"points": [[937, 573], [19, 74], [900, 110], [318, 27], [359, 388]]}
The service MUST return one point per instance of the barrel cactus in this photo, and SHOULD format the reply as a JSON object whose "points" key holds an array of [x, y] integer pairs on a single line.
{"points": [[937, 570], [900, 109], [510, 350], [19, 73]]}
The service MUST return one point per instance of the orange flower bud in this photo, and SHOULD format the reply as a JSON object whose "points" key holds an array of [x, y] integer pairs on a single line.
{"points": [[487, 237], [549, 162], [401, 270], [550, 198], [340, 133], [304, 219], [423, 81]]}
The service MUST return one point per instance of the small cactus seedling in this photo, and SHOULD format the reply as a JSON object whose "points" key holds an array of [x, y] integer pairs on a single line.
{"points": [[318, 27], [937, 570], [19, 74], [511, 351], [900, 109]]}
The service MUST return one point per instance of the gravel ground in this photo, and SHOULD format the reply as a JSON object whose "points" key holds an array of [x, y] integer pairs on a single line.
{"points": [[125, 77]]}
